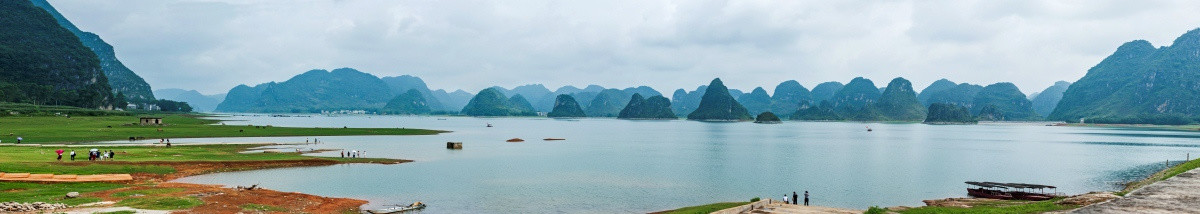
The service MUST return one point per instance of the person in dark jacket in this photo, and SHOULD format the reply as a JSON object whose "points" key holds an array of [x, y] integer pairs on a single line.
{"points": [[805, 198]]}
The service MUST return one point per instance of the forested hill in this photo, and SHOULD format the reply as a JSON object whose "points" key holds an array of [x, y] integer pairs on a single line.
{"points": [[120, 78], [313, 91], [43, 63], [1139, 84]]}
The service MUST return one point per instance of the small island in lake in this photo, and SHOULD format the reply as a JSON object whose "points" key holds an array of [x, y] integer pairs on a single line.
{"points": [[490, 102], [656, 107], [718, 105], [945, 113], [767, 118], [411, 102], [565, 106]]}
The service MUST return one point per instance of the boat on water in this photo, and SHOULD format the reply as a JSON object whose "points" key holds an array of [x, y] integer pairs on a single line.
{"points": [[399, 209], [553, 139], [1010, 191], [514, 140]]}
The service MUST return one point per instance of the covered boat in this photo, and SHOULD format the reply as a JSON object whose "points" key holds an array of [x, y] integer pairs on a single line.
{"points": [[399, 209], [1010, 191]]}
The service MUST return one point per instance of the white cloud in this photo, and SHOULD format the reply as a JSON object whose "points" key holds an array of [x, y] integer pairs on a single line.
{"points": [[215, 45]]}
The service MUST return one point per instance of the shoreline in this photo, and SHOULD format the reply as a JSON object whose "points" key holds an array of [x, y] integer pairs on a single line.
{"points": [[1183, 128], [963, 205]]}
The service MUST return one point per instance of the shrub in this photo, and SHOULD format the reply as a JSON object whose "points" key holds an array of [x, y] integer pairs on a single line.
{"points": [[875, 210]]}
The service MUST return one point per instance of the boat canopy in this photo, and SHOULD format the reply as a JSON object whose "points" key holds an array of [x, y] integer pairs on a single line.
{"points": [[1009, 185]]}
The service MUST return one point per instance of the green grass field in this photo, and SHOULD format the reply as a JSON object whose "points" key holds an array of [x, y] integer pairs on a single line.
{"points": [[161, 203], [41, 160], [78, 129], [705, 209], [45, 154], [41, 125], [52, 192]]}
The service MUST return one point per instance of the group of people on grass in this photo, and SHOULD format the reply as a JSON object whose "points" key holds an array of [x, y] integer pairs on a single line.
{"points": [[352, 153], [794, 198], [93, 155]]}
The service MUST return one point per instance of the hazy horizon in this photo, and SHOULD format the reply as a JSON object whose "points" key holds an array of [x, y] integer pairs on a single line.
{"points": [[213, 45]]}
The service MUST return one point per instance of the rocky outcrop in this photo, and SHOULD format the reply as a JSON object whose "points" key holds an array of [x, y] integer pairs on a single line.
{"points": [[29, 207]]}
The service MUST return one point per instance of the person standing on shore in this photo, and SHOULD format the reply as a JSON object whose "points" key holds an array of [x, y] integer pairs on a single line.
{"points": [[805, 198], [794, 198], [785, 199]]}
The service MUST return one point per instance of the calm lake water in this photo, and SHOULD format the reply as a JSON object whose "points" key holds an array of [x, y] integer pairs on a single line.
{"points": [[620, 166]]}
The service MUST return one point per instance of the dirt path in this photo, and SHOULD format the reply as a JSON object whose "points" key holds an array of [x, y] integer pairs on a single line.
{"points": [[800, 209], [63, 178], [1179, 194]]}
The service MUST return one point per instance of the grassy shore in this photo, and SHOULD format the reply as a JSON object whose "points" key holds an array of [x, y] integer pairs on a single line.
{"points": [[77, 129], [149, 164], [704, 209], [1161, 175]]}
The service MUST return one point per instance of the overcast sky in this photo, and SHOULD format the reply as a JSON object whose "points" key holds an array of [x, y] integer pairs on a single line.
{"points": [[212, 46]]}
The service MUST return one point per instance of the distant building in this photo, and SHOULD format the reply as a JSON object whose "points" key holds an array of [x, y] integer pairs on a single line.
{"points": [[151, 121]]}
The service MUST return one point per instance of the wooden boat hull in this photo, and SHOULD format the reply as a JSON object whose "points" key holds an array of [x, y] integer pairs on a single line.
{"points": [[993, 194], [1005, 195]]}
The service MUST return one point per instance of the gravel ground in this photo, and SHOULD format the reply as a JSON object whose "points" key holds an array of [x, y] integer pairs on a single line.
{"points": [[1179, 194]]}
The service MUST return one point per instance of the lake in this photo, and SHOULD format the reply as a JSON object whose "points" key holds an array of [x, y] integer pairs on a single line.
{"points": [[623, 166]]}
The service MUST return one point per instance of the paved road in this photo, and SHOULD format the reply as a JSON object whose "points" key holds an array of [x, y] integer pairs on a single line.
{"points": [[1179, 194]]}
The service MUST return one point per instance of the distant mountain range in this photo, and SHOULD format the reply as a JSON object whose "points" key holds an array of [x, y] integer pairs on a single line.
{"points": [[198, 102], [1137, 84], [860, 99]]}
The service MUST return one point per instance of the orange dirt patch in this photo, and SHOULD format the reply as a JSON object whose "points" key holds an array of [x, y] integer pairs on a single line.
{"points": [[63, 178], [218, 199]]}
